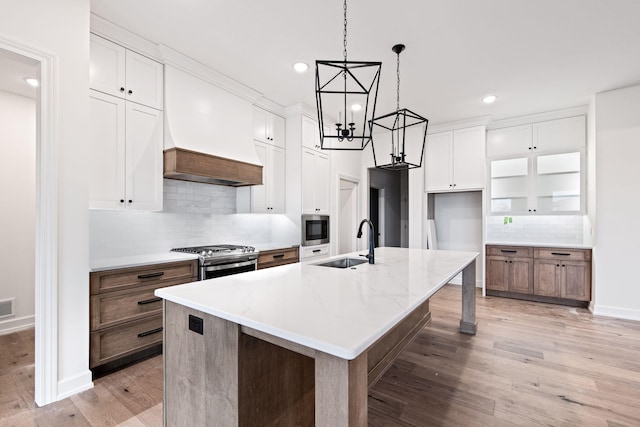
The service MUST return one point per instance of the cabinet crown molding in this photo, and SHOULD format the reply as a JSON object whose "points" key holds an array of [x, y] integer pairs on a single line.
{"points": [[539, 117], [459, 124]]}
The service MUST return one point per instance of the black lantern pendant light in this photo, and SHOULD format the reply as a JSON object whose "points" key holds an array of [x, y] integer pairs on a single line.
{"points": [[402, 133], [346, 93]]}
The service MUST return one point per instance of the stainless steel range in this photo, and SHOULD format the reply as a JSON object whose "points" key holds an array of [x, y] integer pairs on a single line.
{"points": [[223, 260]]}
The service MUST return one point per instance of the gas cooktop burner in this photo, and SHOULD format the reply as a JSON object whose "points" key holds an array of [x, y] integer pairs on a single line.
{"points": [[215, 251]]}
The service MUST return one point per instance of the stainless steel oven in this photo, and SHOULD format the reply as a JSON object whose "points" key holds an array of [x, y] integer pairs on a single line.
{"points": [[223, 260], [315, 230]]}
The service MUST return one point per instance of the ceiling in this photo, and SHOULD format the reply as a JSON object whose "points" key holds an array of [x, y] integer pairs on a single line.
{"points": [[535, 56], [13, 70]]}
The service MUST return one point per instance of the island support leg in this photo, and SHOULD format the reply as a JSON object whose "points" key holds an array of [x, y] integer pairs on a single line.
{"points": [[341, 391], [468, 324]]}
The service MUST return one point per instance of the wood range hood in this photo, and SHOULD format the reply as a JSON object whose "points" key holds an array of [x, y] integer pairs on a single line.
{"points": [[187, 165]]}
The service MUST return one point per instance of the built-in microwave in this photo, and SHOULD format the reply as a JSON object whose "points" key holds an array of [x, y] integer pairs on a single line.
{"points": [[315, 230]]}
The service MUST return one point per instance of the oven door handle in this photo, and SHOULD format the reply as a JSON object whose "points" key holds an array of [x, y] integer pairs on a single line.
{"points": [[228, 266]]}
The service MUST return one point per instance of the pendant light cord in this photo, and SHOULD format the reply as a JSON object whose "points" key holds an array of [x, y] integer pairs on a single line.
{"points": [[345, 31], [398, 84]]}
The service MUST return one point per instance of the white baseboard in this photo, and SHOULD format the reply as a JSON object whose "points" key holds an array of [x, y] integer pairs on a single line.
{"points": [[74, 385], [620, 313], [17, 324]]}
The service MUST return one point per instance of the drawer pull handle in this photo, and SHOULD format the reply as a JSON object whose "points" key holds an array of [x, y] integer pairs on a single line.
{"points": [[315, 251], [149, 301], [151, 332], [508, 251], [150, 275], [560, 253], [279, 256]]}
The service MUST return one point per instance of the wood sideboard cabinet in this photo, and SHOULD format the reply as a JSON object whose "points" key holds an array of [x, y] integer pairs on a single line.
{"points": [[555, 275], [125, 317], [276, 257]]}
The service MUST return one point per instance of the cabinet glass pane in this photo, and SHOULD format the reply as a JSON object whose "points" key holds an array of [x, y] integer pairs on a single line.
{"points": [[506, 205], [510, 167], [558, 163], [558, 182]]}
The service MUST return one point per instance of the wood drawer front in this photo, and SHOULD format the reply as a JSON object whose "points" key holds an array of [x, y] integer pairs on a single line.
{"points": [[112, 280], [562, 254], [274, 258], [114, 343], [510, 251], [114, 308]]}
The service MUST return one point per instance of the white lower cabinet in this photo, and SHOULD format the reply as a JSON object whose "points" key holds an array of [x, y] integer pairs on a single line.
{"points": [[126, 153], [314, 253], [270, 196], [315, 182]]}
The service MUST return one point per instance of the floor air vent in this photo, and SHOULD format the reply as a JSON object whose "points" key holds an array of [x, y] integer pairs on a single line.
{"points": [[6, 308]]}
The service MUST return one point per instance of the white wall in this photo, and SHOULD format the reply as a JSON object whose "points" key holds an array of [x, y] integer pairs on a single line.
{"points": [[17, 216], [617, 230], [61, 28]]}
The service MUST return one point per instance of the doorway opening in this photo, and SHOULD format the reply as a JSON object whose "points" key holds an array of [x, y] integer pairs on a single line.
{"points": [[388, 207], [35, 118]]}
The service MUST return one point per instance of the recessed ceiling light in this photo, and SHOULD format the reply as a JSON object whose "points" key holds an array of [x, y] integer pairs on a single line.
{"points": [[32, 81], [300, 67], [356, 107], [489, 99]]}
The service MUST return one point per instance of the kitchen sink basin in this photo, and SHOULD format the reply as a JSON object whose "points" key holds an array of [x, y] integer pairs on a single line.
{"points": [[343, 263]]}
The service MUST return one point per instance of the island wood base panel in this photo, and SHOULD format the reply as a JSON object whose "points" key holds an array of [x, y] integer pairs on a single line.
{"points": [[241, 377]]}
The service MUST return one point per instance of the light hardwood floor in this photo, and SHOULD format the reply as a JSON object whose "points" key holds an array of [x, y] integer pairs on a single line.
{"points": [[530, 364]]}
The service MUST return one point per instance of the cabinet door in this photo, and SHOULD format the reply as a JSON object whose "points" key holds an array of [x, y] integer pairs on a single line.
{"points": [[509, 190], [107, 66], [107, 146], [310, 133], [547, 278], [521, 275], [576, 281], [260, 125], [308, 181], [438, 162], [276, 129], [511, 141], [322, 177], [276, 190], [144, 80], [144, 157], [259, 192], [468, 158], [560, 135], [497, 273]]}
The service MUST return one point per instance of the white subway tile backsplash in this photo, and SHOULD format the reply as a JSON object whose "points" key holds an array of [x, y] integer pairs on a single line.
{"points": [[194, 214], [550, 229]]}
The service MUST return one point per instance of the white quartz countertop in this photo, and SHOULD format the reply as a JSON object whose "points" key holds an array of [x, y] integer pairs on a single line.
{"points": [[542, 244], [337, 311], [138, 260]]}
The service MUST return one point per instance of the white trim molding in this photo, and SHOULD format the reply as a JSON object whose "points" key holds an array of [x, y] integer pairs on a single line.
{"points": [[17, 324], [617, 312], [74, 385], [458, 124], [46, 256], [540, 117]]}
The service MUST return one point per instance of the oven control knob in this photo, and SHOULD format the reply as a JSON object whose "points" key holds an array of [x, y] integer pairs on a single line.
{"points": [[203, 253]]}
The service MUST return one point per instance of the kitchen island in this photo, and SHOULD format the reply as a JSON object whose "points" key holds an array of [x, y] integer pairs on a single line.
{"points": [[299, 344]]}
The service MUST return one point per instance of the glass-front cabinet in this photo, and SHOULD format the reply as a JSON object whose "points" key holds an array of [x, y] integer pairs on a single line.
{"points": [[538, 182]]}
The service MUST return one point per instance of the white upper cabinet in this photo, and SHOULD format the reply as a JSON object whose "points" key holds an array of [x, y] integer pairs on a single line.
{"points": [[270, 196], [455, 160], [268, 127], [560, 135], [545, 177], [120, 72], [310, 133], [509, 141], [315, 182], [549, 136], [126, 152]]}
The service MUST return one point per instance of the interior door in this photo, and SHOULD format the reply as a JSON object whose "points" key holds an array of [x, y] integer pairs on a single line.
{"points": [[374, 209]]}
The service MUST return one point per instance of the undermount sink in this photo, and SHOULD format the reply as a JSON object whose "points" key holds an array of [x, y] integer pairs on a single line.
{"points": [[343, 263]]}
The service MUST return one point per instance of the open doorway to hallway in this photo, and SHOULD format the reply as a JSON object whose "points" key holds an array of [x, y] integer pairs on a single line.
{"points": [[388, 207]]}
